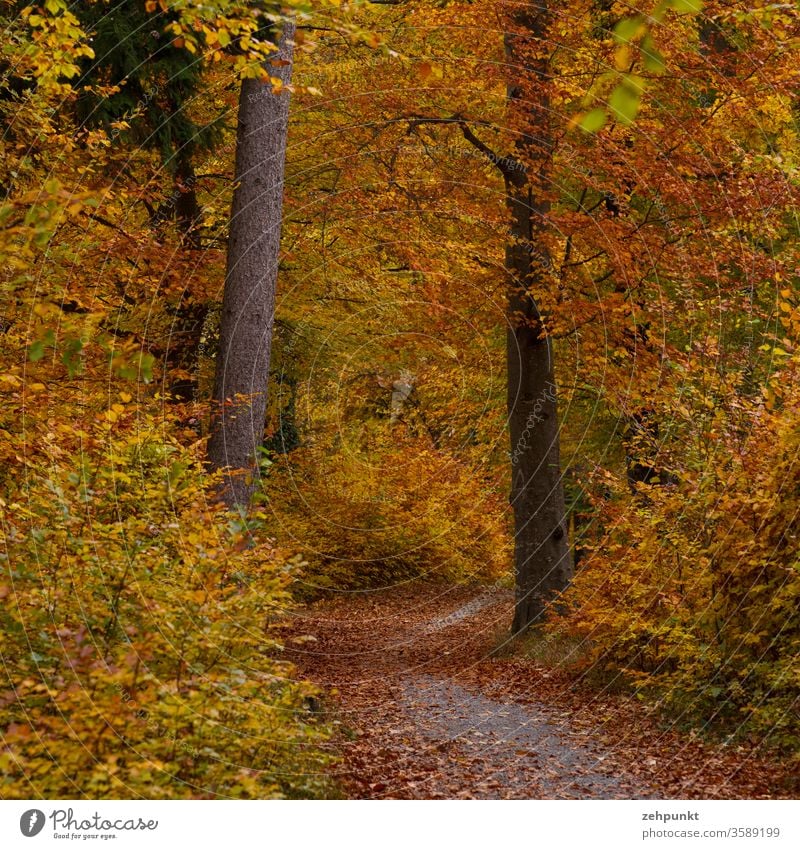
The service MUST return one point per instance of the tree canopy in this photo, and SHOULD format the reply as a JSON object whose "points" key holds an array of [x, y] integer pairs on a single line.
{"points": [[611, 190]]}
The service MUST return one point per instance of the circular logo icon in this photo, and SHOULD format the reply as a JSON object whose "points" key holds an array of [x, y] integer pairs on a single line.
{"points": [[31, 822]]}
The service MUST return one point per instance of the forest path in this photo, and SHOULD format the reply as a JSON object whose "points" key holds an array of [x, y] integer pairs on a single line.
{"points": [[430, 710]]}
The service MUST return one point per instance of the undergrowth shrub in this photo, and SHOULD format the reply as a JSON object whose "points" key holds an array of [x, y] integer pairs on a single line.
{"points": [[693, 590], [138, 658], [395, 510]]}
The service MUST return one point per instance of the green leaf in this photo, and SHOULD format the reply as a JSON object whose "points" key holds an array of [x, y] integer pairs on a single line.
{"points": [[653, 60], [687, 7], [594, 120], [147, 362], [624, 103], [627, 29], [36, 351]]}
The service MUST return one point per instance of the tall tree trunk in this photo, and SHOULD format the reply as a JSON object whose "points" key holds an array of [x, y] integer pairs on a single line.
{"points": [[543, 559], [187, 207], [248, 303], [189, 317]]}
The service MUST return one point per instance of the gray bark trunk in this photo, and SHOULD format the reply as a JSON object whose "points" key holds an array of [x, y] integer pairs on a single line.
{"points": [[542, 555], [248, 303]]}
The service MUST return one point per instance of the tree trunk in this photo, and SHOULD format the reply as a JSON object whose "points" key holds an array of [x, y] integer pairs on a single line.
{"points": [[542, 555], [187, 326], [248, 303], [187, 207]]}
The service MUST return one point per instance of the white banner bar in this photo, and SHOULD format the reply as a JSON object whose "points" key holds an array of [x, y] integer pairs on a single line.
{"points": [[375, 825]]}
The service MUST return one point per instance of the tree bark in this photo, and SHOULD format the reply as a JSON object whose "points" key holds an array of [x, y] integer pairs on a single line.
{"points": [[187, 327], [248, 303], [542, 555], [187, 207]]}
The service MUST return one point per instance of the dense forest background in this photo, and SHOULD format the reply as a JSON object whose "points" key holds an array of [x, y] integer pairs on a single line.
{"points": [[139, 643]]}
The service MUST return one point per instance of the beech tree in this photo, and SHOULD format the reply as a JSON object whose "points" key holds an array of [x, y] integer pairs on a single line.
{"points": [[646, 164], [542, 554], [248, 303], [543, 564]]}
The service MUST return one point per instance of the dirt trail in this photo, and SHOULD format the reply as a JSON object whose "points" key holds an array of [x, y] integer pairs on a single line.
{"points": [[428, 711]]}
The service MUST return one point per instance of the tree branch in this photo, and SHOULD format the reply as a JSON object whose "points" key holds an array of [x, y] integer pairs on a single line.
{"points": [[511, 168]]}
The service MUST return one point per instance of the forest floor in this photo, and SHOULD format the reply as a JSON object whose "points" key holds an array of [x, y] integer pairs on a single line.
{"points": [[431, 706]]}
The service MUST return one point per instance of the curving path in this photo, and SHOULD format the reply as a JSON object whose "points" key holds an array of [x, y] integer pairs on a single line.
{"points": [[430, 706]]}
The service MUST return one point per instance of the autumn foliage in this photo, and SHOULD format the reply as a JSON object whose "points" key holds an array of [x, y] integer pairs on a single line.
{"points": [[137, 622], [690, 591], [140, 622]]}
